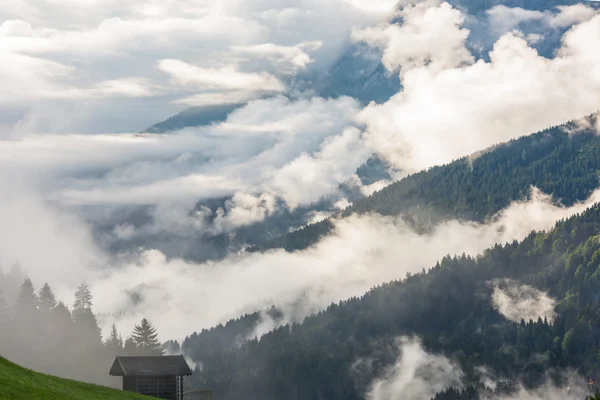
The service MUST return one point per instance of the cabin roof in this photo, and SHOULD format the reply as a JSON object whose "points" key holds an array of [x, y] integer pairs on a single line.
{"points": [[150, 365]]}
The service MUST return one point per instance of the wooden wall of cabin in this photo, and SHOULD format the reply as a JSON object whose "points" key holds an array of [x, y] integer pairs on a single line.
{"points": [[162, 387]]}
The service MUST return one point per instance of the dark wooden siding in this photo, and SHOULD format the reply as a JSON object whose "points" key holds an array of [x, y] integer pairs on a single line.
{"points": [[162, 387]]}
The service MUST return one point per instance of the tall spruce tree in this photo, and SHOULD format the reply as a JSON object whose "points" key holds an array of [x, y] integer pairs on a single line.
{"points": [[27, 300], [46, 299], [83, 298], [146, 339], [86, 326], [26, 326], [13, 279]]}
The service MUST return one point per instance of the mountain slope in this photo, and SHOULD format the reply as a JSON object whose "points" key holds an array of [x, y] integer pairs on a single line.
{"points": [[18, 383], [563, 165], [450, 308], [194, 116]]}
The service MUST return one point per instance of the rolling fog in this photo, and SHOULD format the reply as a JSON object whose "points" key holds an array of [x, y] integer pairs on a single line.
{"points": [[71, 164]]}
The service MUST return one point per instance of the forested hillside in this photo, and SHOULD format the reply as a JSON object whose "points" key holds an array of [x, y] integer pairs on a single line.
{"points": [[449, 307], [474, 188]]}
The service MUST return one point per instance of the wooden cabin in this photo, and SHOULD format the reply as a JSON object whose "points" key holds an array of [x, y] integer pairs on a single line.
{"points": [[157, 376]]}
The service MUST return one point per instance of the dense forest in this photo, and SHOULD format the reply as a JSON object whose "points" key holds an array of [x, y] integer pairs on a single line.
{"points": [[45, 335], [448, 307], [557, 162]]}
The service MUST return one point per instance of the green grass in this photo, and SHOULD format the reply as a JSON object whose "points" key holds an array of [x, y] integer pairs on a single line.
{"points": [[24, 384]]}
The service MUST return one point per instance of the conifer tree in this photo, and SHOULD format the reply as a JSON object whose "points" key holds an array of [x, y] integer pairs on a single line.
{"points": [[13, 279], [27, 299], [46, 299], [26, 324], [130, 347], [84, 319], [83, 298], [146, 339], [114, 343]]}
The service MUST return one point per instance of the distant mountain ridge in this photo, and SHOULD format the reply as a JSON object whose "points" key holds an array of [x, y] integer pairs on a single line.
{"points": [[359, 72]]}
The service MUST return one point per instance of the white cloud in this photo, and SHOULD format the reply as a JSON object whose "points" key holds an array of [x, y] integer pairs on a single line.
{"points": [[504, 19], [216, 98], [363, 251], [516, 301], [286, 58], [445, 114], [305, 179], [429, 35], [269, 150], [48, 60], [227, 77], [416, 374]]}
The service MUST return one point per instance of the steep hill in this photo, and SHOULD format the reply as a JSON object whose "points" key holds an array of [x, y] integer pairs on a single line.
{"points": [[194, 116], [18, 383], [557, 162], [450, 307]]}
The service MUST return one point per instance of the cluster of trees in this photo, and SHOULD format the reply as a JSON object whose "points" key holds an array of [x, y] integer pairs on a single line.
{"points": [[556, 162], [449, 307], [42, 333]]}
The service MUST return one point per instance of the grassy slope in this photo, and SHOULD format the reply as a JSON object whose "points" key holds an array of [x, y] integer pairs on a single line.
{"points": [[20, 383]]}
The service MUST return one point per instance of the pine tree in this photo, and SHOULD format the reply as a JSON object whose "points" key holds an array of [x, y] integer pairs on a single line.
{"points": [[26, 325], [146, 339], [14, 278], [114, 343], [83, 298], [84, 319], [26, 305], [130, 347], [46, 299]]}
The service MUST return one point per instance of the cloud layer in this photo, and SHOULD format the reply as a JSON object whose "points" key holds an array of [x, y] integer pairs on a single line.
{"points": [[192, 52], [279, 150], [516, 302], [418, 374], [448, 109]]}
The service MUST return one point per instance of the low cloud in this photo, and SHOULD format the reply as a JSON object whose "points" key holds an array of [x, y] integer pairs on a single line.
{"points": [[47, 61], [517, 301], [416, 375], [448, 109], [362, 252], [573, 388], [227, 77], [287, 59], [414, 43], [504, 19]]}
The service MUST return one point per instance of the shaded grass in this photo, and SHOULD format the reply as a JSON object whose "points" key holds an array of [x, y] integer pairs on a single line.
{"points": [[20, 383]]}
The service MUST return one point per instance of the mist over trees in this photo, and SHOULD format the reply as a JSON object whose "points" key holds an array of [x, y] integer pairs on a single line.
{"points": [[43, 334], [449, 307], [555, 160]]}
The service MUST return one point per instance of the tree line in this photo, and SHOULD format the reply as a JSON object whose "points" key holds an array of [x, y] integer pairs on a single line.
{"points": [[449, 307], [42, 333], [474, 188]]}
